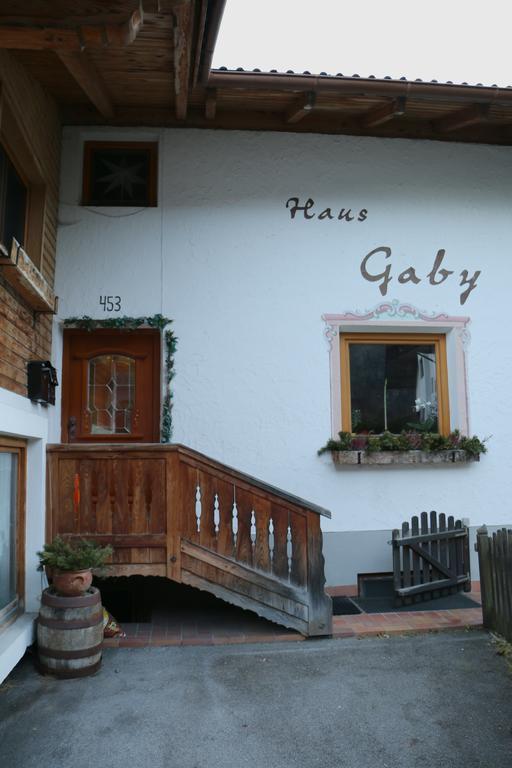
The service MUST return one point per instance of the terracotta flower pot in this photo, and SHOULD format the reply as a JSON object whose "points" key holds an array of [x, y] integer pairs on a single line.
{"points": [[72, 583], [359, 442]]}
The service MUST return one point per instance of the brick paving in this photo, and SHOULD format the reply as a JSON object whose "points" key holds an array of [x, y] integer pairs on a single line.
{"points": [[233, 626]]}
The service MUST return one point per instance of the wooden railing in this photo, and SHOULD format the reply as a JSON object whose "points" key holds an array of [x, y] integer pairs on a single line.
{"points": [[495, 561], [170, 511]]}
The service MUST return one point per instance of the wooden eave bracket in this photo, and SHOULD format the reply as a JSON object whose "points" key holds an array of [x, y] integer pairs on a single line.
{"points": [[23, 36], [69, 44], [86, 75], [183, 19], [210, 104], [463, 118], [27, 280], [385, 113], [302, 107]]}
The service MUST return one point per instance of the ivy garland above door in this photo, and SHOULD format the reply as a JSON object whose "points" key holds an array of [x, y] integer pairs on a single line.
{"points": [[87, 323]]}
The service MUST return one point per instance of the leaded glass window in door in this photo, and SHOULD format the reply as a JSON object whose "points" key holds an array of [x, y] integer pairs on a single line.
{"points": [[111, 394]]}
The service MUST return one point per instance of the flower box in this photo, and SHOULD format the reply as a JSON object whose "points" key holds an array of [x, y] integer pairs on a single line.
{"points": [[352, 458], [26, 279]]}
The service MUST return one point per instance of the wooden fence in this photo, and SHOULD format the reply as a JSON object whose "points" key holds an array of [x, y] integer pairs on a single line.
{"points": [[495, 560], [430, 558]]}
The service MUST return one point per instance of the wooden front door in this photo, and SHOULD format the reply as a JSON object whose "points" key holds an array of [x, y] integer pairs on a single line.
{"points": [[111, 386]]}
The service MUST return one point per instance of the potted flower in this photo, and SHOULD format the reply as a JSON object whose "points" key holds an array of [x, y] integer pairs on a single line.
{"points": [[71, 564]]}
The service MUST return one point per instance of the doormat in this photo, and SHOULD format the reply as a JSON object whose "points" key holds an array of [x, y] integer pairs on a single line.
{"points": [[387, 604]]}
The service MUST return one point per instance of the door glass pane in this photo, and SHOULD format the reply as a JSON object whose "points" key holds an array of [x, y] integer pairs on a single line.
{"points": [[8, 505], [111, 394], [393, 387]]}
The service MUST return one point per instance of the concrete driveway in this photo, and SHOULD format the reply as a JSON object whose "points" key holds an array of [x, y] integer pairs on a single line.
{"points": [[434, 700]]}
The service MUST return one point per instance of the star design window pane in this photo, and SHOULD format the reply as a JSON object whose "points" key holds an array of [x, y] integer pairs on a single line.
{"points": [[119, 173]]}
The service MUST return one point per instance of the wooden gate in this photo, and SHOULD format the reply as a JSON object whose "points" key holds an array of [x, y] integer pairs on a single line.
{"points": [[430, 560], [170, 511], [495, 561]]}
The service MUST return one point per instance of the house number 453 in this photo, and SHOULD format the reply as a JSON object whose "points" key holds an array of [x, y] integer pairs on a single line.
{"points": [[110, 303]]}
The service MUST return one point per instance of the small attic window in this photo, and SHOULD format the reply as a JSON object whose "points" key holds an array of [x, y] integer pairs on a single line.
{"points": [[120, 173]]}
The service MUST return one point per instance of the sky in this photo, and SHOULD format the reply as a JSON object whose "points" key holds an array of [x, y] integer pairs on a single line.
{"points": [[457, 40]]}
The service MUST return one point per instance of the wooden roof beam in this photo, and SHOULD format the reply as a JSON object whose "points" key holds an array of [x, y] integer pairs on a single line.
{"points": [[302, 107], [210, 105], [384, 113], [22, 36], [183, 21], [463, 118], [84, 72]]}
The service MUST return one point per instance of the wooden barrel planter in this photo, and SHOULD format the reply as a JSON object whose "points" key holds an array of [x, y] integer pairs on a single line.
{"points": [[70, 634]]}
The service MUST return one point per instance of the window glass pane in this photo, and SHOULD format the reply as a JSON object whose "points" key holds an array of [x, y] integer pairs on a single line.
{"points": [[8, 504], [393, 387], [119, 176], [111, 394], [13, 202]]}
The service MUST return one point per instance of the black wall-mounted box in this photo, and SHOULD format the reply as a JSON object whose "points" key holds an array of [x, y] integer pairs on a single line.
{"points": [[42, 380]]}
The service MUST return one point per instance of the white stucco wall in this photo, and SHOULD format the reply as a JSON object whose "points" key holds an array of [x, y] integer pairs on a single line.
{"points": [[247, 286]]}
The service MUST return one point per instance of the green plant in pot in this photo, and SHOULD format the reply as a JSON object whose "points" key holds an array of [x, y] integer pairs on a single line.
{"points": [[71, 565]]}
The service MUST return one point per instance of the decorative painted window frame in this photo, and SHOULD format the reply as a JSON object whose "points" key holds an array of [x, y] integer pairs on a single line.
{"points": [[394, 317]]}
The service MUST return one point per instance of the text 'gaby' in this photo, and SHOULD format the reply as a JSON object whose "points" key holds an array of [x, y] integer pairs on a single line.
{"points": [[376, 259]]}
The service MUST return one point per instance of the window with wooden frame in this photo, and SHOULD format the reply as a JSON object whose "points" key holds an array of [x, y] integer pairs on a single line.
{"points": [[22, 189], [394, 382], [12, 528], [13, 201], [120, 173]]}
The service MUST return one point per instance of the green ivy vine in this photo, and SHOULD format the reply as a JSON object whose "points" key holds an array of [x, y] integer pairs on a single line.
{"points": [[159, 322]]}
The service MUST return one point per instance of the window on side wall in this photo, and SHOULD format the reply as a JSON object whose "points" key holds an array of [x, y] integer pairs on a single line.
{"points": [[22, 190], [394, 382], [13, 202]]}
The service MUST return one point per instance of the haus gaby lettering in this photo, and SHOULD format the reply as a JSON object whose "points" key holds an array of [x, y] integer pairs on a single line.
{"points": [[375, 269], [330, 213]]}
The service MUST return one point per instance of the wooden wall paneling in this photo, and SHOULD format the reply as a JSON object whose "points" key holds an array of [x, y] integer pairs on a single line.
{"points": [[157, 521], [280, 522], [224, 492], [320, 604], [173, 502], [138, 497], [262, 554], [157, 555], [100, 486], [33, 123], [88, 495], [245, 503], [118, 492], [207, 537], [62, 483], [299, 529]]}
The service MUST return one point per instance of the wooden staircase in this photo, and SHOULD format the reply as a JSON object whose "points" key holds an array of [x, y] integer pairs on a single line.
{"points": [[170, 511]]}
